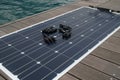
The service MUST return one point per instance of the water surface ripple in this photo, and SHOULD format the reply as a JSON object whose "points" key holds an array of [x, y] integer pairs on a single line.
{"points": [[11, 10]]}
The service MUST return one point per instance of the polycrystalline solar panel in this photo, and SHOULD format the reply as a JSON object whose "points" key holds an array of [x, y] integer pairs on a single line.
{"points": [[25, 54]]}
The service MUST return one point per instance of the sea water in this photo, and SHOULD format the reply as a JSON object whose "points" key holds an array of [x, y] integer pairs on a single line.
{"points": [[11, 10]]}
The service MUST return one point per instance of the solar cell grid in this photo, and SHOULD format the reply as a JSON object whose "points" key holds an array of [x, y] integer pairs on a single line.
{"points": [[26, 54]]}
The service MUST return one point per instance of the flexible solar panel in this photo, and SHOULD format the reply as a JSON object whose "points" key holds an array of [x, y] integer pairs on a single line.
{"points": [[25, 54]]}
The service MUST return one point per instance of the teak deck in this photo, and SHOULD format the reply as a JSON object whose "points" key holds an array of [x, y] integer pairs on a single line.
{"points": [[102, 64]]}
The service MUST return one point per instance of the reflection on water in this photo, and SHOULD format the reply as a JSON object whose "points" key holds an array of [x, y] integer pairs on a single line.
{"points": [[11, 10]]}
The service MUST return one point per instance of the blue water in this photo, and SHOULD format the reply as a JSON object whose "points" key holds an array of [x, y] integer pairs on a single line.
{"points": [[11, 10]]}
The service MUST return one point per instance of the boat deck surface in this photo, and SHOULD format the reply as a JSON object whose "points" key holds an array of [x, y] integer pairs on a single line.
{"points": [[102, 64]]}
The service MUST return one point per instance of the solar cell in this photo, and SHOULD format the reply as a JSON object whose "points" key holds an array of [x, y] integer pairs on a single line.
{"points": [[26, 55]]}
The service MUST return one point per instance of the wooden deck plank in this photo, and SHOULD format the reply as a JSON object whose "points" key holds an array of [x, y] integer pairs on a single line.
{"points": [[86, 73], [111, 4], [106, 54], [29, 21], [8, 29], [117, 34], [19, 25], [111, 46], [114, 40], [1, 78], [68, 77], [103, 66], [86, 3], [2, 33]]}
